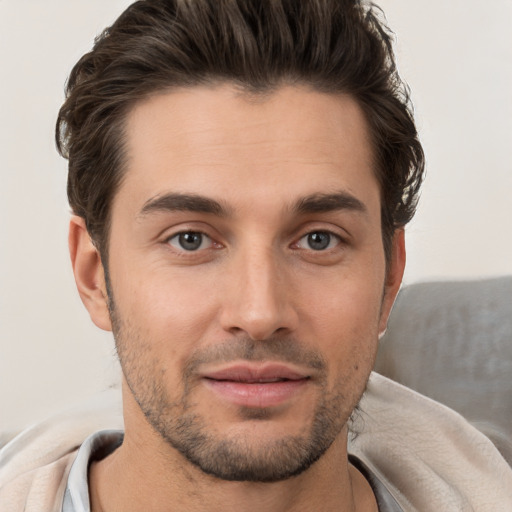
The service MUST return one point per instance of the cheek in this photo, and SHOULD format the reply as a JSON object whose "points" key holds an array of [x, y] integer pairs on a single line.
{"points": [[349, 331], [346, 319], [170, 312], [349, 305]]}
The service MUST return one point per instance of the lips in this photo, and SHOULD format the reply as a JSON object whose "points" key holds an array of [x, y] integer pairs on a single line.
{"points": [[255, 386], [252, 374]]}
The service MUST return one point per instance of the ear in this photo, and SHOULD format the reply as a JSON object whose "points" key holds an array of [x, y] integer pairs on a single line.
{"points": [[394, 277], [89, 273]]}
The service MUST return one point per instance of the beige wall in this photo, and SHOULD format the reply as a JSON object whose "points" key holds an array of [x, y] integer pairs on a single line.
{"points": [[455, 55]]}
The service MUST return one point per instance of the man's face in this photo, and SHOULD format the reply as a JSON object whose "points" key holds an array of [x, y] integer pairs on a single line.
{"points": [[247, 275]]}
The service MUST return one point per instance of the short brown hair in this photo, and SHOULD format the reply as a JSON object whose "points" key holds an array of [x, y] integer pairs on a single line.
{"points": [[333, 46]]}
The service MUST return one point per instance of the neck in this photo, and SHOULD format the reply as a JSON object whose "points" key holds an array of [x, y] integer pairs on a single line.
{"points": [[146, 473], [133, 479]]}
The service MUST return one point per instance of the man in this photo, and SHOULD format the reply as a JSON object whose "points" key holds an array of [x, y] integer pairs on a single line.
{"points": [[240, 174]]}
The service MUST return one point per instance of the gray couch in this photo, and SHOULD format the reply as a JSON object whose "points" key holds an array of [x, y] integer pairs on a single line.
{"points": [[452, 341]]}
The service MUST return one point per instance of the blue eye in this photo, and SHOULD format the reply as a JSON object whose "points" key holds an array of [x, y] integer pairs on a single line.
{"points": [[190, 241], [318, 241]]}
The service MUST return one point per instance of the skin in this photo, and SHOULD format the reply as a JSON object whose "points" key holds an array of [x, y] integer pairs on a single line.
{"points": [[255, 279]]}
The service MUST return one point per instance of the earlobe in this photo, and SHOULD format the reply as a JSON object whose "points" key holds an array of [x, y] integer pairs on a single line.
{"points": [[89, 273], [394, 277]]}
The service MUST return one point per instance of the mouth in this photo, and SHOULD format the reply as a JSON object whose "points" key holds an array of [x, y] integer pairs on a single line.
{"points": [[256, 386]]}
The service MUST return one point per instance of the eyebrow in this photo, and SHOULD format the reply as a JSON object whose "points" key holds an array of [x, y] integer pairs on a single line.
{"points": [[183, 202], [320, 203], [314, 203]]}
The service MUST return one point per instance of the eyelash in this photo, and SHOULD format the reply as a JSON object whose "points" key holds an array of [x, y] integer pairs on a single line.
{"points": [[331, 237], [180, 234], [296, 245]]}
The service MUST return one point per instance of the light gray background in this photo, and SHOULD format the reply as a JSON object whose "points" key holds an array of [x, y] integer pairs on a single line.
{"points": [[456, 55]]}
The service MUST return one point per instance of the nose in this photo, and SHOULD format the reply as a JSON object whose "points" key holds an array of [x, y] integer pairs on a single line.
{"points": [[258, 301]]}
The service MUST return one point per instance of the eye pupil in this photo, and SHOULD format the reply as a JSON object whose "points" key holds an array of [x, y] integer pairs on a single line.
{"points": [[190, 241], [319, 240]]}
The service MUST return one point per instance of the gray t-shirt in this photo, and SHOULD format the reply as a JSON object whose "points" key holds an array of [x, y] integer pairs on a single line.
{"points": [[103, 443]]}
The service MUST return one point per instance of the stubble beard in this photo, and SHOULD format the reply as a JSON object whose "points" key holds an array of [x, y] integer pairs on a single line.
{"points": [[230, 458], [237, 459]]}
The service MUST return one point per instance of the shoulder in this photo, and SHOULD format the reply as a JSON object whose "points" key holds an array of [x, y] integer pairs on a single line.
{"points": [[34, 465], [428, 456]]}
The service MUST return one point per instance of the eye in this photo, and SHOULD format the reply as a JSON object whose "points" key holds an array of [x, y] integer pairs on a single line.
{"points": [[319, 241], [190, 241]]}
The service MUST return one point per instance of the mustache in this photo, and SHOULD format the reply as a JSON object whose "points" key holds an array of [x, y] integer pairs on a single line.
{"points": [[286, 350]]}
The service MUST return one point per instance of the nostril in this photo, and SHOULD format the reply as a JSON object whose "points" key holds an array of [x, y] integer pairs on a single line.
{"points": [[260, 312]]}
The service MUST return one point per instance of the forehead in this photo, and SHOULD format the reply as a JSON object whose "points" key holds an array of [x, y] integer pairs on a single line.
{"points": [[236, 147]]}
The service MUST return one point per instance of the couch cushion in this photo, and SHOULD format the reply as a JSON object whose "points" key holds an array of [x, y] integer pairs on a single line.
{"points": [[452, 341]]}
